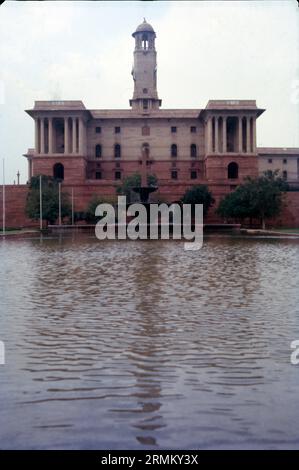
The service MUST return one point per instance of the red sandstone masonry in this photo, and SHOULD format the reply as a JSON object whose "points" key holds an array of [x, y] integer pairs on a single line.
{"points": [[15, 197], [170, 192]]}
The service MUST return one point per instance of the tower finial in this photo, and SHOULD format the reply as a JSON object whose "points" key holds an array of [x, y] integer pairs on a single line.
{"points": [[144, 20]]}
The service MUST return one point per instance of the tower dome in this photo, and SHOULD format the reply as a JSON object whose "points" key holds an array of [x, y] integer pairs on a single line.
{"points": [[144, 28]]}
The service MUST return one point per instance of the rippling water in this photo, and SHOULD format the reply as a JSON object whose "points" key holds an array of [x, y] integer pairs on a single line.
{"points": [[144, 345]]}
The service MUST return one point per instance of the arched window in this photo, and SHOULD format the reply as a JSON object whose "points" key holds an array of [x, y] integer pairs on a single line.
{"points": [[174, 150], [193, 150], [145, 41], [116, 151], [98, 152], [233, 170], [58, 171], [145, 149]]}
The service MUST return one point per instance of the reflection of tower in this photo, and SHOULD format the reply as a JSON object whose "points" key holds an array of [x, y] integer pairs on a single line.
{"points": [[147, 352], [144, 71]]}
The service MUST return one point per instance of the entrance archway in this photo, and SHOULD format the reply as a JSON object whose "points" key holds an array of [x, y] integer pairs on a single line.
{"points": [[233, 170], [58, 171]]}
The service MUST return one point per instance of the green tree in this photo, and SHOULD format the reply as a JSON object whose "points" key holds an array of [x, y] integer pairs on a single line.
{"points": [[50, 200], [134, 181], [89, 215], [259, 198], [237, 205], [199, 194]]}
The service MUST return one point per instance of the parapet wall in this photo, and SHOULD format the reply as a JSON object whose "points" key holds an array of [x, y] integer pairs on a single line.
{"points": [[15, 196], [15, 202]]}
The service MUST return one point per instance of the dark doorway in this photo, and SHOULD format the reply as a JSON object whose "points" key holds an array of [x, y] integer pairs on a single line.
{"points": [[233, 170], [58, 171]]}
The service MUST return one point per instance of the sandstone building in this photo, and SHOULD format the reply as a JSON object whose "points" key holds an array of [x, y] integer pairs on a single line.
{"points": [[92, 150]]}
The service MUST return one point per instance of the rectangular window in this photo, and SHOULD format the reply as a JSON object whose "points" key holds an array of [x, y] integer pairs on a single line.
{"points": [[98, 175], [269, 160], [193, 175], [98, 130], [117, 130], [145, 104], [145, 130], [174, 175], [285, 161], [117, 175], [285, 174], [193, 129], [173, 129]]}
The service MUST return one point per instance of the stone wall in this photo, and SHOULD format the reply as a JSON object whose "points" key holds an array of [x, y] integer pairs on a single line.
{"points": [[170, 192], [15, 197]]}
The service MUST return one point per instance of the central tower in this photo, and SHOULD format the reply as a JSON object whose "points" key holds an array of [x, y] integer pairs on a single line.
{"points": [[145, 96]]}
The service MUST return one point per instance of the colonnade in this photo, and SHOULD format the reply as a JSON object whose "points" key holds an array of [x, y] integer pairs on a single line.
{"points": [[66, 135], [225, 134]]}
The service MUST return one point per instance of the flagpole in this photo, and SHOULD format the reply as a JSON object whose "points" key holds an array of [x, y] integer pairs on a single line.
{"points": [[3, 200], [72, 206], [59, 203], [40, 204]]}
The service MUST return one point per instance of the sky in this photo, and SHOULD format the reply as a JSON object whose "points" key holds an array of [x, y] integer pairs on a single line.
{"points": [[205, 50]]}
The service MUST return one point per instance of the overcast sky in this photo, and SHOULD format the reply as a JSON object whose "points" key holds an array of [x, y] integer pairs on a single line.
{"points": [[206, 50]]}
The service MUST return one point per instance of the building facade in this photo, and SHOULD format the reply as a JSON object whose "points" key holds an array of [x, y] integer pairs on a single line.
{"points": [[93, 150]]}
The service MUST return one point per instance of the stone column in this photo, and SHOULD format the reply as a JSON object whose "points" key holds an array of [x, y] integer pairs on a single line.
{"points": [[50, 136], [209, 135], [248, 134], [42, 135], [224, 135], [66, 135], [240, 134], [216, 135], [254, 134], [81, 136], [36, 136], [74, 135]]}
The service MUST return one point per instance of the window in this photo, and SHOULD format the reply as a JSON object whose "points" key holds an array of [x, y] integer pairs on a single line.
{"points": [[98, 175], [173, 129], [58, 171], [193, 150], [117, 130], [285, 161], [144, 91], [193, 174], [269, 160], [174, 175], [116, 151], [145, 130], [98, 151], [98, 130], [145, 104], [233, 170], [193, 129], [117, 175], [174, 150], [145, 41], [285, 175]]}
